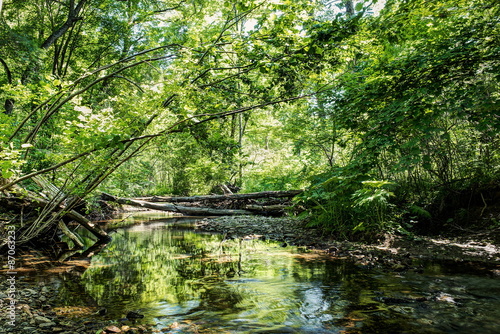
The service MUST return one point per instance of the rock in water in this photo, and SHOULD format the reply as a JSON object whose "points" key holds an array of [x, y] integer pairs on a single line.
{"points": [[112, 329], [134, 315]]}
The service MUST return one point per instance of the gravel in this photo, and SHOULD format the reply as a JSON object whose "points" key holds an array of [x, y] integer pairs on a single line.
{"points": [[34, 313]]}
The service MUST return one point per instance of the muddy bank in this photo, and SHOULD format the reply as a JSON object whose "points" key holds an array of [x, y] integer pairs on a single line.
{"points": [[395, 252]]}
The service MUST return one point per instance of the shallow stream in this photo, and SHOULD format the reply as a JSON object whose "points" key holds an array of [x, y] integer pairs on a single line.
{"points": [[189, 282]]}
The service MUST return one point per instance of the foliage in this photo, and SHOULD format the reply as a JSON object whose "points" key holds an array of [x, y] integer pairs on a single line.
{"points": [[150, 97], [350, 205], [418, 104]]}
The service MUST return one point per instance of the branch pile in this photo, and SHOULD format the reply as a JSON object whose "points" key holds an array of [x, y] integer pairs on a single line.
{"points": [[34, 216]]}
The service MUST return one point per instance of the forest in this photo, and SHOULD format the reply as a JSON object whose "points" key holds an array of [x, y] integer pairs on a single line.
{"points": [[386, 113], [350, 150]]}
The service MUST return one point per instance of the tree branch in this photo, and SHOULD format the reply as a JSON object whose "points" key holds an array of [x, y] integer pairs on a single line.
{"points": [[70, 21], [130, 81], [7, 70], [171, 8], [227, 25], [54, 109], [59, 96], [171, 129]]}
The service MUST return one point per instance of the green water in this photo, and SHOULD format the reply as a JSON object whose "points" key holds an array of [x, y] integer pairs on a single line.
{"points": [[189, 282]]}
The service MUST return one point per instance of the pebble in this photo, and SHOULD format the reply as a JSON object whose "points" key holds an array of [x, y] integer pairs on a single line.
{"points": [[41, 320], [112, 329], [47, 324]]}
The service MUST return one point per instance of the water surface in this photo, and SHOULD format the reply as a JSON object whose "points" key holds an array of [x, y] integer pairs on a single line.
{"points": [[190, 282]]}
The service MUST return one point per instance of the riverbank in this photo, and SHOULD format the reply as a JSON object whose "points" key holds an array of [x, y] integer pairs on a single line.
{"points": [[395, 252], [34, 313]]}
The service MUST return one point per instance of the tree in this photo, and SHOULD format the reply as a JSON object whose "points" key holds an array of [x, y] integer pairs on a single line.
{"points": [[101, 80], [417, 99]]}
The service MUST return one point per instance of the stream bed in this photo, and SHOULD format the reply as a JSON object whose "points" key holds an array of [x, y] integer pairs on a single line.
{"points": [[185, 281]]}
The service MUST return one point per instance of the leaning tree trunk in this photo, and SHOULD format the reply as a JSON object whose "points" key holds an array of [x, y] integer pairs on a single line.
{"points": [[49, 213]]}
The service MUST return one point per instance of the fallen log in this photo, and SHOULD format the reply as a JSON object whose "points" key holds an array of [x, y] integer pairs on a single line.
{"points": [[265, 208], [91, 227], [186, 210], [263, 194], [78, 243]]}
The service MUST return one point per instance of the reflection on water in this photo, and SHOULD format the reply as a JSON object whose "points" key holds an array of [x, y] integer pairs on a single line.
{"points": [[189, 282]]}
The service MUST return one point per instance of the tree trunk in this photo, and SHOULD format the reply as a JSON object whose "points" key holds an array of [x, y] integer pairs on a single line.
{"points": [[215, 198], [192, 211], [349, 8]]}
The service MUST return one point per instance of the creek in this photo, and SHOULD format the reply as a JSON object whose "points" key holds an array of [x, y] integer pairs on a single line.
{"points": [[186, 281]]}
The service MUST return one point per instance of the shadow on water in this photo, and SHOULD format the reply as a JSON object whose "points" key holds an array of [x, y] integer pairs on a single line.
{"points": [[189, 282]]}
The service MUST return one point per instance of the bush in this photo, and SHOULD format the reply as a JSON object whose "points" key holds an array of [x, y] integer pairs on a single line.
{"points": [[351, 207]]}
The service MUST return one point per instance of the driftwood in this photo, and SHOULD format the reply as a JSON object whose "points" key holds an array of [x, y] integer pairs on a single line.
{"points": [[78, 243], [265, 208], [217, 198], [187, 210]]}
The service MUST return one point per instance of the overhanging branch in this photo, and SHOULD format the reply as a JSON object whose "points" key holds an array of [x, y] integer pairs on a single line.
{"points": [[177, 127]]}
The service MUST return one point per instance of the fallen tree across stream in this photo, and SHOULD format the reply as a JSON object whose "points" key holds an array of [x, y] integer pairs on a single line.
{"points": [[216, 198], [227, 205]]}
